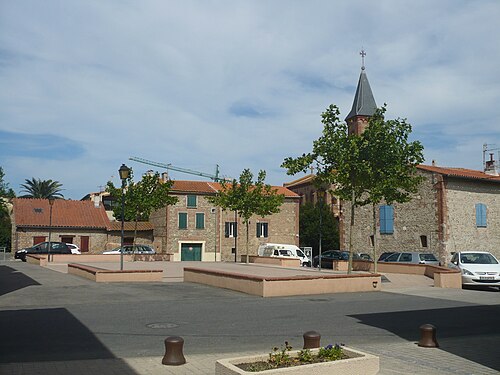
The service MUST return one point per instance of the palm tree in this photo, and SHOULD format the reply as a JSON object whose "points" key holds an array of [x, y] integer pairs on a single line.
{"points": [[45, 189]]}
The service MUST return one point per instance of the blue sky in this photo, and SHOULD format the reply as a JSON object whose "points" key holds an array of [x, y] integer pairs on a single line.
{"points": [[88, 84]]}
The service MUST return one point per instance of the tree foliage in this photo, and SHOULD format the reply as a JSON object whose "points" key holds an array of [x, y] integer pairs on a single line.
{"points": [[141, 198], [248, 198], [6, 193], [380, 164], [392, 161], [310, 226], [43, 189]]}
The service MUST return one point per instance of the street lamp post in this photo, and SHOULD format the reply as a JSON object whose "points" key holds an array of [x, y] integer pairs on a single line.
{"points": [[51, 203], [124, 173], [320, 201]]}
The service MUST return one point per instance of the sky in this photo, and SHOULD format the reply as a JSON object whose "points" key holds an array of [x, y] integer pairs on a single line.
{"points": [[85, 85]]}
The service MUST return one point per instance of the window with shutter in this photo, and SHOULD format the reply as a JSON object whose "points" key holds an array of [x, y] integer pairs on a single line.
{"points": [[182, 220], [230, 229], [262, 230], [480, 215], [386, 219], [191, 201], [200, 220]]}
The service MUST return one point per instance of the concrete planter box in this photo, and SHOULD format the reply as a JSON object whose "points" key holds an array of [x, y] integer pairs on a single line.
{"points": [[361, 363]]}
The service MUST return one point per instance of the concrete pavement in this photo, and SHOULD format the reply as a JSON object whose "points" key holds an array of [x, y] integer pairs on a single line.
{"points": [[379, 323]]}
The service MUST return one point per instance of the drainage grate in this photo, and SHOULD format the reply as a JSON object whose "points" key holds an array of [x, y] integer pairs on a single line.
{"points": [[161, 325]]}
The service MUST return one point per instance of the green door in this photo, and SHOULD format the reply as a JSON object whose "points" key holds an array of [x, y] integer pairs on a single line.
{"points": [[191, 251]]}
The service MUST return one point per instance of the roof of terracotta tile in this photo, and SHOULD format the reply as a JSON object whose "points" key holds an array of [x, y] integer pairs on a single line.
{"points": [[460, 173], [129, 226], [204, 187], [303, 180], [65, 213]]}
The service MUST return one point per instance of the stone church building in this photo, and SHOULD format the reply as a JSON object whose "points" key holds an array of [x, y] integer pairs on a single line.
{"points": [[455, 208]]}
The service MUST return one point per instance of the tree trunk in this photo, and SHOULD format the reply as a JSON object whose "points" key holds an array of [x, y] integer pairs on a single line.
{"points": [[374, 238], [351, 229], [246, 258]]}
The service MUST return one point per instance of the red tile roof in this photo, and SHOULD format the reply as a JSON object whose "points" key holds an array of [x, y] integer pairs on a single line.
{"points": [[460, 173], [129, 226], [204, 187], [65, 214], [303, 180]]}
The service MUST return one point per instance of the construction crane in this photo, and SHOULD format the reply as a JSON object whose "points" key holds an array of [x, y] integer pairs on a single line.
{"points": [[214, 177]]}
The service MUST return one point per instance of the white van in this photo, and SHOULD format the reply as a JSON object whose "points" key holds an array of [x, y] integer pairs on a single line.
{"points": [[283, 250]]}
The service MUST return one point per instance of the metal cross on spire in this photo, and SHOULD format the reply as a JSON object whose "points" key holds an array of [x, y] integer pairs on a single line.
{"points": [[363, 54]]}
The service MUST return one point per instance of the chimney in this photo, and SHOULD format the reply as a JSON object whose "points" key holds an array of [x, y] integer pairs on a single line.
{"points": [[96, 201], [490, 166], [433, 162], [164, 176]]}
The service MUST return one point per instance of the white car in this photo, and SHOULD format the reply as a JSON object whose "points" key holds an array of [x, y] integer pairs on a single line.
{"points": [[135, 249], [74, 248], [477, 267]]}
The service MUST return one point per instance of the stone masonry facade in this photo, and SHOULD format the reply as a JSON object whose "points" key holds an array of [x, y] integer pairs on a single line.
{"points": [[440, 219], [216, 244]]}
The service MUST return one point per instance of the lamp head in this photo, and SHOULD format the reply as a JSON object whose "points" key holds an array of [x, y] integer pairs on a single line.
{"points": [[124, 172]]}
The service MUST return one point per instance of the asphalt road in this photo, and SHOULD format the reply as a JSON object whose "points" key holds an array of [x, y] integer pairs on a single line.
{"points": [[50, 316]]}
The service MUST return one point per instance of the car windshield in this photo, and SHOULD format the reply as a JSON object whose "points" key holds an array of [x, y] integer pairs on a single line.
{"points": [[427, 257], [392, 257], [478, 258]]}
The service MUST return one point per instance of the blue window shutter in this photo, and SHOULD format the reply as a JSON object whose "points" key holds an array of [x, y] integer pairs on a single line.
{"points": [[259, 233], [480, 215], [266, 229], [386, 219]]}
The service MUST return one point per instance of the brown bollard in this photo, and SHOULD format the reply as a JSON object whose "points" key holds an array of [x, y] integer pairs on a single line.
{"points": [[173, 351], [428, 336], [311, 340]]}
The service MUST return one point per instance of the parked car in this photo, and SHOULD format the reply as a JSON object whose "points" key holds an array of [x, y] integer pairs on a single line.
{"points": [[385, 255], [327, 258], [132, 249], [413, 257], [75, 249], [477, 267], [43, 248], [364, 256]]}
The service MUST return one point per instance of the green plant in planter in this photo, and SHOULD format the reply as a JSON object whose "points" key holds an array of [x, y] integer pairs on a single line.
{"points": [[280, 357], [331, 353]]}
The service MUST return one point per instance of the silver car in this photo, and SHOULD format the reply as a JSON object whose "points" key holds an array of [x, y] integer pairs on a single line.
{"points": [[413, 257], [477, 267]]}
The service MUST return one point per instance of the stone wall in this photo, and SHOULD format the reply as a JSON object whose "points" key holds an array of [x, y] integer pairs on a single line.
{"points": [[24, 237], [462, 233], [283, 227], [411, 221]]}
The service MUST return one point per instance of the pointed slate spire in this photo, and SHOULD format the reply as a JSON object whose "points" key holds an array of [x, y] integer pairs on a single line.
{"points": [[364, 103]]}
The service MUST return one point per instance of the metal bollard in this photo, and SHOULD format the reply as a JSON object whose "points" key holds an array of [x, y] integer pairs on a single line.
{"points": [[311, 340], [428, 336], [173, 351]]}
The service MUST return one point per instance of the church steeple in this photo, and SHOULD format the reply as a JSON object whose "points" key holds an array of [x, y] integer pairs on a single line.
{"points": [[364, 105]]}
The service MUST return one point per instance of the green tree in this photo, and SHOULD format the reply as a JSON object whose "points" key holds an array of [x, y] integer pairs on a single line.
{"points": [[6, 193], [309, 226], [248, 198], [393, 161], [141, 198], [340, 163], [44, 189]]}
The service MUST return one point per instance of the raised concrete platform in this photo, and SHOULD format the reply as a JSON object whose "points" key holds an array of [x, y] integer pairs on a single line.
{"points": [[101, 275], [265, 285]]}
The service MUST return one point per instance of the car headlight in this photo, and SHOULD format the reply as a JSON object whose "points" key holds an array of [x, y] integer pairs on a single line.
{"points": [[467, 272]]}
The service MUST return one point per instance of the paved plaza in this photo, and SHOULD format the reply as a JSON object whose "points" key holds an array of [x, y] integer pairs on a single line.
{"points": [[55, 323]]}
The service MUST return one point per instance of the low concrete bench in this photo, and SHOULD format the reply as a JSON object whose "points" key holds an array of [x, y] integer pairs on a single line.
{"points": [[276, 261], [100, 275], [268, 286]]}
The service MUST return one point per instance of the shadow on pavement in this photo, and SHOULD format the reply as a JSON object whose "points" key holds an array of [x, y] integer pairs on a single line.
{"points": [[50, 335], [468, 332], [12, 280]]}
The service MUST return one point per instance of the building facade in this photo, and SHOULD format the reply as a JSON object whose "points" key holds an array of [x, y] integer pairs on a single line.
{"points": [[195, 229]]}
